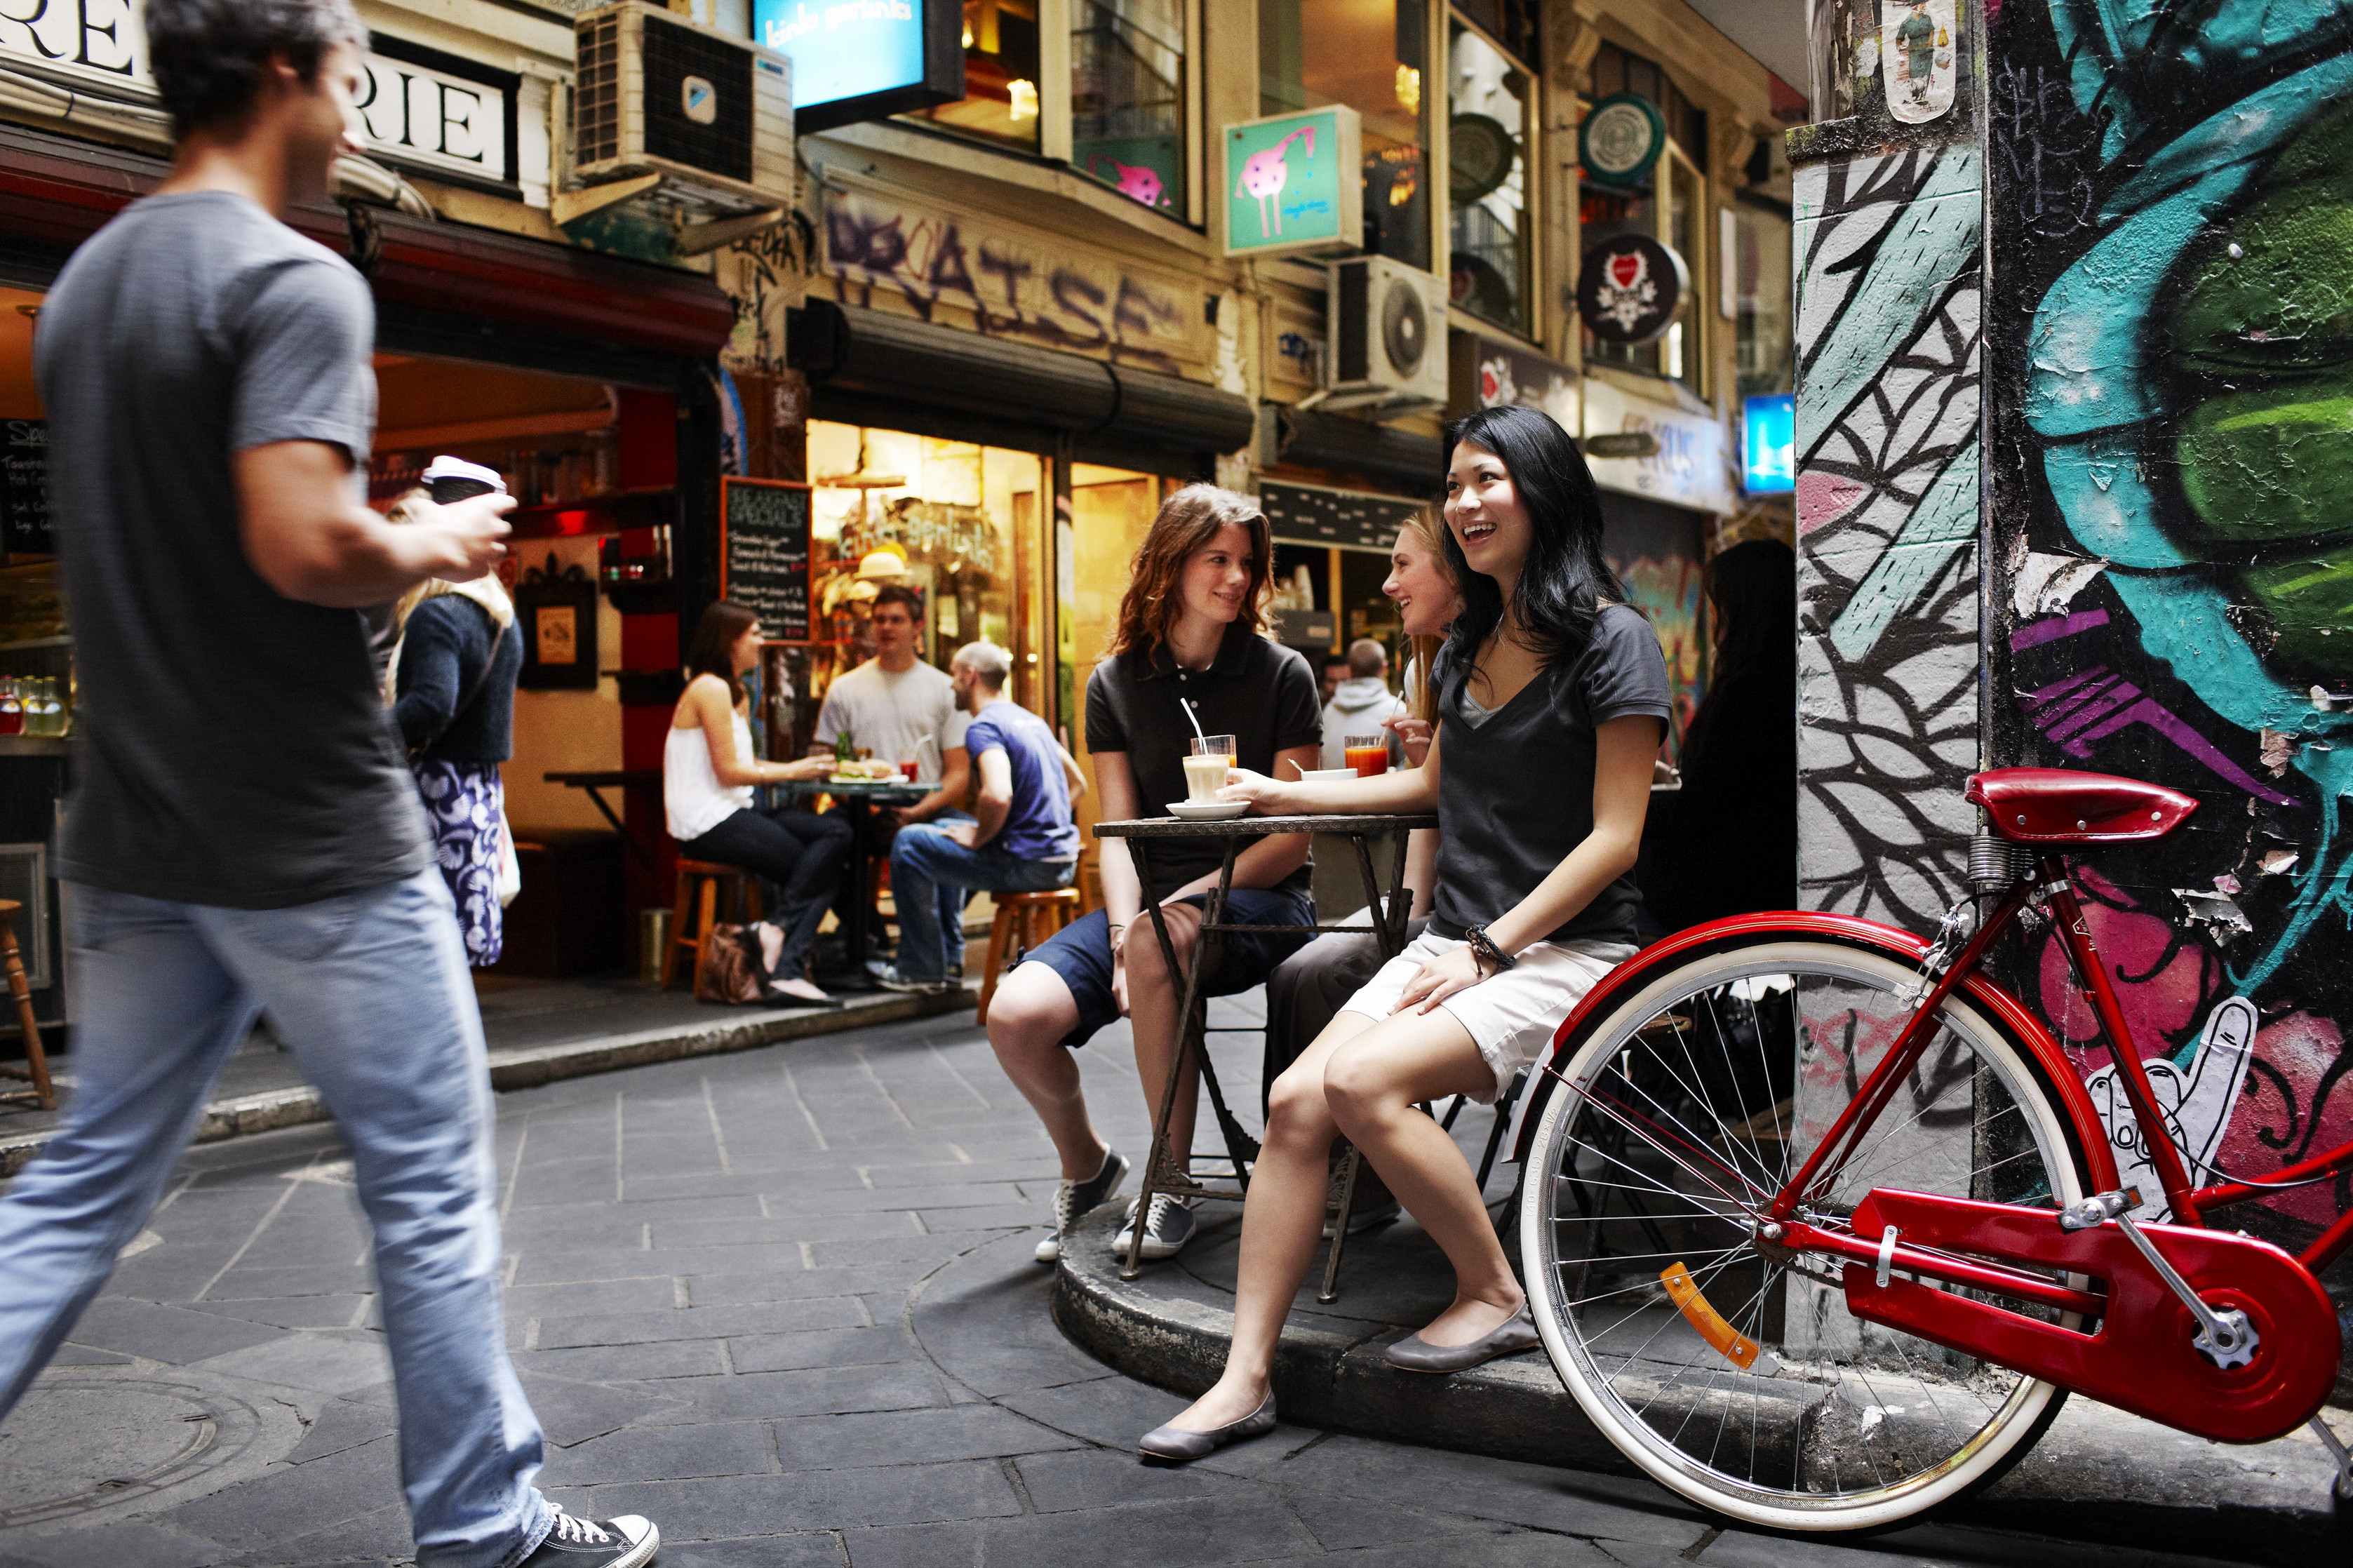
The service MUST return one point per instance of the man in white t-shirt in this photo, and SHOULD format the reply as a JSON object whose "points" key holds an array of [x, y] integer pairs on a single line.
{"points": [[889, 705]]}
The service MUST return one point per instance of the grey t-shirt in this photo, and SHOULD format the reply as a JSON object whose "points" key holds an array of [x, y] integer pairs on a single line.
{"points": [[234, 750], [1515, 782]]}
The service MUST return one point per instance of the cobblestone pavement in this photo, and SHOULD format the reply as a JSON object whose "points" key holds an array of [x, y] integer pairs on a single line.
{"points": [[783, 1304]]}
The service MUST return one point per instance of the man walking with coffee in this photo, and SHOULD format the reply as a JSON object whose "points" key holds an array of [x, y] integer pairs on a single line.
{"points": [[245, 835]]}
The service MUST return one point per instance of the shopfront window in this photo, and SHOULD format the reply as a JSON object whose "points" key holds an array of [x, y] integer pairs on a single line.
{"points": [[955, 522], [1370, 56], [1128, 98], [1000, 76], [1763, 353], [1670, 206], [1491, 242]]}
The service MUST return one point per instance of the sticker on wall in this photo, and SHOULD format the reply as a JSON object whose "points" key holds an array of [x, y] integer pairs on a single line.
{"points": [[1916, 48], [1620, 138], [1630, 288], [1293, 182]]}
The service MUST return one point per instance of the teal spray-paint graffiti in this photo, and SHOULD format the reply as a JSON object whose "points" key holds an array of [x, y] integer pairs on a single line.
{"points": [[2170, 196]]}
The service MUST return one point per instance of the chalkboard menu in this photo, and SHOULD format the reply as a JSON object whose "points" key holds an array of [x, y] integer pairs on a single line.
{"points": [[1312, 514], [25, 488], [764, 527]]}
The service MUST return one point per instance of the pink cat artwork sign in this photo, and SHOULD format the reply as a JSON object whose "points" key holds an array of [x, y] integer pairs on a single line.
{"points": [[1295, 183]]}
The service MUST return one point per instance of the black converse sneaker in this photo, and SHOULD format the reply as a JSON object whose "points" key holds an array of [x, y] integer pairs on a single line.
{"points": [[1073, 1199], [1168, 1230], [627, 1542]]}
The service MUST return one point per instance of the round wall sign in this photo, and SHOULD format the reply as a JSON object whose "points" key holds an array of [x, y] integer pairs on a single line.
{"points": [[1622, 137], [1630, 288]]}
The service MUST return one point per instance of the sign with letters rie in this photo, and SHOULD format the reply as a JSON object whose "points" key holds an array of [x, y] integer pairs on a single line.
{"points": [[442, 115], [855, 60], [1294, 183]]}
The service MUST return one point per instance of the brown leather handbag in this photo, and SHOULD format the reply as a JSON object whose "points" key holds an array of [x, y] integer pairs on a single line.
{"points": [[729, 968]]}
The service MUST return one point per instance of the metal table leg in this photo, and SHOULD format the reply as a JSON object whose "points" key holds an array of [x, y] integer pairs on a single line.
{"points": [[1163, 1173]]}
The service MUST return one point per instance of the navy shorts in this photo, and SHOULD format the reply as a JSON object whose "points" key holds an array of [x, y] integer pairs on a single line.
{"points": [[1080, 951]]}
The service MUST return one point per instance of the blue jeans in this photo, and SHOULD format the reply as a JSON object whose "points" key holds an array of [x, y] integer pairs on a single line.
{"points": [[371, 993], [933, 876]]}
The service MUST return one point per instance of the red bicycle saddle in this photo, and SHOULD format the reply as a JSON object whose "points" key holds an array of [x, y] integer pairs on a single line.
{"points": [[2055, 805]]}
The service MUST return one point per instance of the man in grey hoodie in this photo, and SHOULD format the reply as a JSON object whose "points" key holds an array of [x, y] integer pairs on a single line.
{"points": [[1361, 703]]}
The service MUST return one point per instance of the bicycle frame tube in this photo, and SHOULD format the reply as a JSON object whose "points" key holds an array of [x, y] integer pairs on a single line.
{"points": [[1863, 1111], [2332, 1241], [2163, 1158]]}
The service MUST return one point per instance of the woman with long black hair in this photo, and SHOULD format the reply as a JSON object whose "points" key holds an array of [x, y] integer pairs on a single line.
{"points": [[1552, 699]]}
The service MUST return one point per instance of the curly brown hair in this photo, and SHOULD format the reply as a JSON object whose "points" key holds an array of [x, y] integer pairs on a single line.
{"points": [[1187, 520]]}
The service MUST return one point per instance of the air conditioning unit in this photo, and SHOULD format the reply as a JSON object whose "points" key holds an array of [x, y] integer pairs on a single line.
{"points": [[1386, 325], [703, 118]]}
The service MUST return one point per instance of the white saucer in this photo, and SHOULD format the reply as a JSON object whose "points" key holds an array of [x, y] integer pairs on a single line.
{"points": [[1207, 810]]}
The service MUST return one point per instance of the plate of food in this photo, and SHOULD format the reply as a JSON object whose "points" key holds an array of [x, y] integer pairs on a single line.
{"points": [[864, 773]]}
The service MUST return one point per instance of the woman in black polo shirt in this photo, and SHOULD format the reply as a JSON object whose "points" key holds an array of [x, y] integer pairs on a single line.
{"points": [[1191, 633], [1552, 703]]}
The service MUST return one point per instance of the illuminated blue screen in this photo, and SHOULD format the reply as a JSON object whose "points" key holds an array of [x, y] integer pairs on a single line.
{"points": [[1769, 443], [844, 48]]}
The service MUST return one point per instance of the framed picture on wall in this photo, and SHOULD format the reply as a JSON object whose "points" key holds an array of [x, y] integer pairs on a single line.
{"points": [[556, 613]]}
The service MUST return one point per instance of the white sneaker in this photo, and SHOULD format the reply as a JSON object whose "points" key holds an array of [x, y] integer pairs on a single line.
{"points": [[1166, 1233], [1072, 1200]]}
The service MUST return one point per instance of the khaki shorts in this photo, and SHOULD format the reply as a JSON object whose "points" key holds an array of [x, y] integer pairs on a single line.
{"points": [[1511, 1016]]}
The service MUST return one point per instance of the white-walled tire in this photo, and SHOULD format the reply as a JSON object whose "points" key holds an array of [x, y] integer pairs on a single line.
{"points": [[1676, 1120]]}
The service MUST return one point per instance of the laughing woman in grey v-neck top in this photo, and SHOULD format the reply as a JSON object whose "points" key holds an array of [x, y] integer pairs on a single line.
{"points": [[1552, 704]]}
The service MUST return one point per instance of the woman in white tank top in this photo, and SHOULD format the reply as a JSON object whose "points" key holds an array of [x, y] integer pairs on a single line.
{"points": [[708, 771]]}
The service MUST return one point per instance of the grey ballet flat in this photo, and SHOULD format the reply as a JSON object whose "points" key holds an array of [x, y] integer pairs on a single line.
{"points": [[1174, 1445], [1510, 1337]]}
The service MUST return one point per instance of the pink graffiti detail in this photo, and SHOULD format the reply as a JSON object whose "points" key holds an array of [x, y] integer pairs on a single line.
{"points": [[2091, 706], [1825, 497], [2164, 980], [1134, 181], [2273, 1124], [2035, 634], [1264, 174]]}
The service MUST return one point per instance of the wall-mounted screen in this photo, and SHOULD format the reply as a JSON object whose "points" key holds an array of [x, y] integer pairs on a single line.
{"points": [[864, 59]]}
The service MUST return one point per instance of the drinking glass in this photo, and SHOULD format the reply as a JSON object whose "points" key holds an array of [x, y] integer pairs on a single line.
{"points": [[1368, 754], [12, 710], [1205, 769]]}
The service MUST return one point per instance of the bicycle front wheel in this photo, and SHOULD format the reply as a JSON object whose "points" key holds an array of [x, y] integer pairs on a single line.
{"points": [[1731, 1372]]}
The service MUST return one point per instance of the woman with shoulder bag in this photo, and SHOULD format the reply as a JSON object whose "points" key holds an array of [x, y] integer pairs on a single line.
{"points": [[453, 697]]}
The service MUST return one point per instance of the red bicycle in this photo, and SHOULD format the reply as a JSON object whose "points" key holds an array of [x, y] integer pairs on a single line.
{"points": [[1822, 1225]]}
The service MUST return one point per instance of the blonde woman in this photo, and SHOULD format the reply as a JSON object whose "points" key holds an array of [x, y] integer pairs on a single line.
{"points": [[453, 683], [1313, 983]]}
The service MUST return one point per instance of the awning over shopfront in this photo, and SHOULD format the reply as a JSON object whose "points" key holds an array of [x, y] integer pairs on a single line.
{"points": [[1409, 463], [440, 288], [870, 368]]}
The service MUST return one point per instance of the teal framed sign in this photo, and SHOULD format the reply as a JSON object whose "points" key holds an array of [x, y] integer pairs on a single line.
{"points": [[1620, 139], [1294, 183]]}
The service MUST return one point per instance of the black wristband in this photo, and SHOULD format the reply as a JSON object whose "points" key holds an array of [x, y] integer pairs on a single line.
{"points": [[1483, 946]]}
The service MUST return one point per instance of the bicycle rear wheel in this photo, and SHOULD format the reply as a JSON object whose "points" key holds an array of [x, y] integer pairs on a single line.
{"points": [[1729, 1373]]}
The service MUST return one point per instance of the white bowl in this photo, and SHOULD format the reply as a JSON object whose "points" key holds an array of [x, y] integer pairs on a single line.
{"points": [[1326, 775]]}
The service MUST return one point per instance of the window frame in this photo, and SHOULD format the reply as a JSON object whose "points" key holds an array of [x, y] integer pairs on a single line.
{"points": [[1675, 165], [1535, 190]]}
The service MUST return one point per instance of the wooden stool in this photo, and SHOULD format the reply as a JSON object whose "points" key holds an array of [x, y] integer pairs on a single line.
{"points": [[699, 882], [36, 1068], [1024, 911]]}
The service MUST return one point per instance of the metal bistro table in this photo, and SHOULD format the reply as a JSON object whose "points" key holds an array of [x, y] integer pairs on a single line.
{"points": [[1390, 916], [859, 802]]}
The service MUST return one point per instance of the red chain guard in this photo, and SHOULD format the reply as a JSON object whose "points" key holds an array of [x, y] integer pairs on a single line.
{"points": [[2140, 1357]]}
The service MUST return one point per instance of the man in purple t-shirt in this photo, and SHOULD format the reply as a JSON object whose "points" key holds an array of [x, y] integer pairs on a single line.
{"points": [[1023, 840]]}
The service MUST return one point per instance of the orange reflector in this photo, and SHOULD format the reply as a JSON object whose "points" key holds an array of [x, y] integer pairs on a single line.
{"points": [[1729, 1343]]}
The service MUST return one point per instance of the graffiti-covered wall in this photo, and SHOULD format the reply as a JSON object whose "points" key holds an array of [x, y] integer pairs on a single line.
{"points": [[2170, 371], [1889, 239]]}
